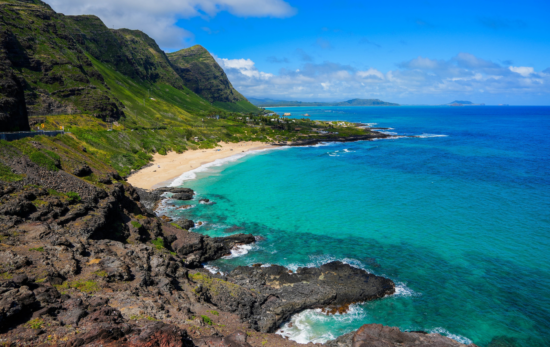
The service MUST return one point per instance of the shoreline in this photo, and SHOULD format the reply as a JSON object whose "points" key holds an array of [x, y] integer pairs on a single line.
{"points": [[174, 165], [164, 169]]}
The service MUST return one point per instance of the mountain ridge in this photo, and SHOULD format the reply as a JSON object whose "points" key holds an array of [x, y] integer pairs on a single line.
{"points": [[203, 75]]}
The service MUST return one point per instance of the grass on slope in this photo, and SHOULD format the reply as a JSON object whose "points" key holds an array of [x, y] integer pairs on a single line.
{"points": [[154, 105], [242, 106]]}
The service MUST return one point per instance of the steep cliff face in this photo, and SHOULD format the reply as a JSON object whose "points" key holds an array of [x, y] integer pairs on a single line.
{"points": [[55, 74], [13, 110], [131, 52], [202, 74]]}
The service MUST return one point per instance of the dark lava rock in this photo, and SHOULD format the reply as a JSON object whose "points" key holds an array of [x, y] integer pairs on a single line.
{"points": [[20, 279], [82, 171], [73, 316], [197, 248], [149, 199], [175, 190], [286, 293], [186, 223], [237, 339], [382, 336], [115, 269], [182, 196]]}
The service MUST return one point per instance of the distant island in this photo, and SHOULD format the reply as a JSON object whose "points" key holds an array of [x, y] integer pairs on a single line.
{"points": [[463, 103], [352, 102]]}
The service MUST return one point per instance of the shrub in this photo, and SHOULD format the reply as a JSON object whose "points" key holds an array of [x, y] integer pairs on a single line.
{"points": [[85, 286], [215, 313], [136, 224], [162, 151], [207, 320], [100, 273], [38, 249], [73, 197], [6, 276], [44, 160], [7, 175], [159, 243], [35, 323]]}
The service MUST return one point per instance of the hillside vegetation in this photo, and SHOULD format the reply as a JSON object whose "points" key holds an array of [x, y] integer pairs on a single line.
{"points": [[119, 95], [202, 74]]}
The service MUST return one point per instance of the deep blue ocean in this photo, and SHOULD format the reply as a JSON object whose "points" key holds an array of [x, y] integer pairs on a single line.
{"points": [[459, 219]]}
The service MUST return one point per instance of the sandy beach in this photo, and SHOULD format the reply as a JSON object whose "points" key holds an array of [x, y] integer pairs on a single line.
{"points": [[168, 167]]}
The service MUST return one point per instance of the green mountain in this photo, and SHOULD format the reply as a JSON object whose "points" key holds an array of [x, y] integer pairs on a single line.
{"points": [[42, 62], [353, 102], [56, 64], [202, 74], [119, 95]]}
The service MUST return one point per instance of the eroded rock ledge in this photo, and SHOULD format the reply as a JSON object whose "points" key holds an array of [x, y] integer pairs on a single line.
{"points": [[286, 293]]}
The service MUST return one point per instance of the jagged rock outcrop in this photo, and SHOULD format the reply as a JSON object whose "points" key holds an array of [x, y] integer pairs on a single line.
{"points": [[198, 249], [271, 295], [152, 199]]}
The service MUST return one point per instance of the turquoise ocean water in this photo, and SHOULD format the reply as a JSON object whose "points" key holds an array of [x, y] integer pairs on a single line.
{"points": [[459, 219]]}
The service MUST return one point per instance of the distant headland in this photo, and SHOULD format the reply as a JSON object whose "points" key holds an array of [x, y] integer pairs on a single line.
{"points": [[463, 103], [352, 102]]}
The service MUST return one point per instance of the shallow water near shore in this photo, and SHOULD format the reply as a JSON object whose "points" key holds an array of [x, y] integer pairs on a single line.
{"points": [[459, 218]]}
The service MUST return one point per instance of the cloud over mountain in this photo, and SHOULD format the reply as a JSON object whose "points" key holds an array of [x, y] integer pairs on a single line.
{"points": [[158, 18]]}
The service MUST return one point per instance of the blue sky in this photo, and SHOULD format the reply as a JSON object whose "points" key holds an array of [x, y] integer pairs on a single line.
{"points": [[413, 52]]}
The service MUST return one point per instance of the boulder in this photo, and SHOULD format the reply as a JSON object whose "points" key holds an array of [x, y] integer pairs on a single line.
{"points": [[182, 196], [186, 223], [81, 171]]}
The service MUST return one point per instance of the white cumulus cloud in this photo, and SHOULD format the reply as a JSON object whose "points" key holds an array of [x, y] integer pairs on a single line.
{"points": [[415, 81], [158, 18], [522, 70]]}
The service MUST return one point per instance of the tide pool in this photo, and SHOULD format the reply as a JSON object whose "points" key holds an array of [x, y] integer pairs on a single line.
{"points": [[459, 219]]}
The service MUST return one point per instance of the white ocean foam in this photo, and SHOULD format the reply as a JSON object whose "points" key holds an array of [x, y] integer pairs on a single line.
{"points": [[401, 289], [455, 337], [199, 224], [322, 144], [390, 138], [317, 261], [239, 251], [425, 136], [388, 132], [213, 269], [305, 326], [191, 175]]}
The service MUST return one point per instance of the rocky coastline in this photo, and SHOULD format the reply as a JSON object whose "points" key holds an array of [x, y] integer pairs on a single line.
{"points": [[373, 135], [103, 269]]}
